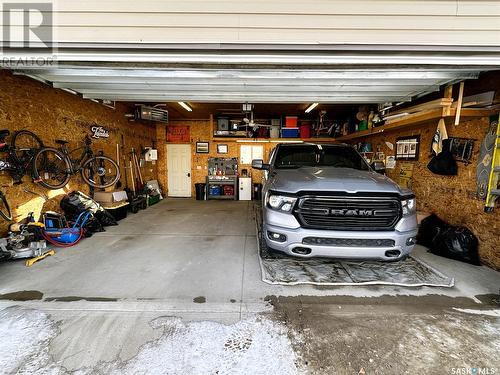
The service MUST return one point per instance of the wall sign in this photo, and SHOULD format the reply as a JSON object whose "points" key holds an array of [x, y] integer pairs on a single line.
{"points": [[405, 175], [99, 132], [178, 134]]}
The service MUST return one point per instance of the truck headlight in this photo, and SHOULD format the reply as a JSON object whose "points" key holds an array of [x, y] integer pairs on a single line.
{"points": [[409, 206], [281, 202]]}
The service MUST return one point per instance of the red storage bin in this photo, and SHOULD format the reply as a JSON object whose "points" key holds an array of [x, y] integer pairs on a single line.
{"points": [[228, 190], [305, 131], [291, 121]]}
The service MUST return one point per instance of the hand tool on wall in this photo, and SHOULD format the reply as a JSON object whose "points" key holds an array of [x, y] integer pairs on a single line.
{"points": [[119, 183], [125, 167], [132, 175], [138, 177]]}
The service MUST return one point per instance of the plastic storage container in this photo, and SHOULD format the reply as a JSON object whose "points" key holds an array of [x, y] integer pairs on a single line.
{"points": [[291, 121], [215, 190], [289, 132], [228, 190], [305, 131], [119, 212]]}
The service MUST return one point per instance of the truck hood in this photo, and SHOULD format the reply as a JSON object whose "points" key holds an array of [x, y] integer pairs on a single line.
{"points": [[331, 179]]}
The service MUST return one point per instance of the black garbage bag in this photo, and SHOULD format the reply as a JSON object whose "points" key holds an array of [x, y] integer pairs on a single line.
{"points": [[449, 241], [74, 203], [429, 229], [457, 243]]}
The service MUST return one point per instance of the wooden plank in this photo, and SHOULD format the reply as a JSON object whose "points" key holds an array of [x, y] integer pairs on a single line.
{"points": [[441, 102], [448, 93], [459, 105]]}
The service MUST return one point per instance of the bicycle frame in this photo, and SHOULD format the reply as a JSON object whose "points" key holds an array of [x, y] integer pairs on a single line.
{"points": [[76, 164], [17, 170]]}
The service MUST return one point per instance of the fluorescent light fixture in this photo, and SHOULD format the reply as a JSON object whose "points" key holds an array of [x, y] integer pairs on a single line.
{"points": [[185, 106], [251, 141], [311, 107]]}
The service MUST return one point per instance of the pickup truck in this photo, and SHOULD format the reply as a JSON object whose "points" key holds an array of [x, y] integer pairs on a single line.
{"points": [[324, 200]]}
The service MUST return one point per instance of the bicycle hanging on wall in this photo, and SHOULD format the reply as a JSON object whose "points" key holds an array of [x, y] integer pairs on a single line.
{"points": [[54, 167]]}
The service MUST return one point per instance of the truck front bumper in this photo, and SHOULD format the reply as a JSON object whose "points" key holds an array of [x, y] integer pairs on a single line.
{"points": [[376, 245]]}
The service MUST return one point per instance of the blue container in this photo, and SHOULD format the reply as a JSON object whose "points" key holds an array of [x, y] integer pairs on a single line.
{"points": [[214, 190], [289, 132]]}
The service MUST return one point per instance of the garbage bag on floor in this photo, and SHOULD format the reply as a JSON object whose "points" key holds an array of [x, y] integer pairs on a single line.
{"points": [[453, 242]]}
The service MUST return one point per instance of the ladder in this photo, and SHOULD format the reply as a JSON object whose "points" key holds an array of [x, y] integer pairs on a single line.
{"points": [[493, 190]]}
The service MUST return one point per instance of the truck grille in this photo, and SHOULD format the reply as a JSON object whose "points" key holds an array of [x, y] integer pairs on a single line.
{"points": [[349, 213], [349, 242]]}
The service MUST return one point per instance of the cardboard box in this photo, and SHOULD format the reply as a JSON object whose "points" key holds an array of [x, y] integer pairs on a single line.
{"points": [[110, 197]]}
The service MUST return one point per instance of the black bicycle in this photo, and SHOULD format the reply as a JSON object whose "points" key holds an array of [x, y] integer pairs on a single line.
{"points": [[54, 167], [20, 154]]}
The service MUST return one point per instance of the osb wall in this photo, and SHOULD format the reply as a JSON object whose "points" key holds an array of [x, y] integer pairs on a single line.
{"points": [[55, 114], [201, 131], [452, 198]]}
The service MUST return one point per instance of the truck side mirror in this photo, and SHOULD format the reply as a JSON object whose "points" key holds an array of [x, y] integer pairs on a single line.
{"points": [[378, 166], [259, 164]]}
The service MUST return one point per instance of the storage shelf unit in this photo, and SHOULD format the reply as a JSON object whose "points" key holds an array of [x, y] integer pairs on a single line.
{"points": [[417, 119]]}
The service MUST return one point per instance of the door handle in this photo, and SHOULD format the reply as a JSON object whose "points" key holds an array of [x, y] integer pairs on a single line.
{"points": [[189, 174]]}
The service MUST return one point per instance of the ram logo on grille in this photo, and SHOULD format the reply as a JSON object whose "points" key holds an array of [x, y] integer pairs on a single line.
{"points": [[347, 212]]}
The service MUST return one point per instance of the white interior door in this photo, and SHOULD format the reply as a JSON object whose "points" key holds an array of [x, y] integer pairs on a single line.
{"points": [[179, 170]]}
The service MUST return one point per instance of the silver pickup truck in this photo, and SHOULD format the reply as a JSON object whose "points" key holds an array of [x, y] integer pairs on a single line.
{"points": [[326, 201]]}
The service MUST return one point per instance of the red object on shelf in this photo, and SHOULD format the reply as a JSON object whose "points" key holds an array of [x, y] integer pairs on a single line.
{"points": [[291, 121], [305, 131], [228, 190]]}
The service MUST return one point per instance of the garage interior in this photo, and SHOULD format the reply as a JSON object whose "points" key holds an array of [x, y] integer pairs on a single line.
{"points": [[186, 119]]}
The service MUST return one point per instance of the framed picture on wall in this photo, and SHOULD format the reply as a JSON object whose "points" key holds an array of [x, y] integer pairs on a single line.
{"points": [[222, 148], [407, 148], [202, 147]]}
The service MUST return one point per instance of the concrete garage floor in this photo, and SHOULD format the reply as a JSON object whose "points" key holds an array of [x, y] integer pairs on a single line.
{"points": [[198, 261]]}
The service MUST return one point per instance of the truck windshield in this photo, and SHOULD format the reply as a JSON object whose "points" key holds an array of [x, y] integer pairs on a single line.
{"points": [[319, 156]]}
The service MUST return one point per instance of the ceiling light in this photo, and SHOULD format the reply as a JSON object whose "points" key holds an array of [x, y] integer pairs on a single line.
{"points": [[311, 107], [185, 106]]}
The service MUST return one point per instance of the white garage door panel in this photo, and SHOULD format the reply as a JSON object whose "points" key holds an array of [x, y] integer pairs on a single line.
{"points": [[273, 21], [265, 6], [404, 22]]}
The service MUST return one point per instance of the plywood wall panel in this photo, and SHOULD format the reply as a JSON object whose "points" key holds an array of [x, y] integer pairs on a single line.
{"points": [[453, 198], [54, 114]]}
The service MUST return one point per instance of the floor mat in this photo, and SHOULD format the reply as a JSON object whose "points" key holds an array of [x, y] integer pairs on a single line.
{"points": [[281, 269]]}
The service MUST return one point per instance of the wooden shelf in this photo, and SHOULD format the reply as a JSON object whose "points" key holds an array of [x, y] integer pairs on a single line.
{"points": [[418, 119], [269, 140]]}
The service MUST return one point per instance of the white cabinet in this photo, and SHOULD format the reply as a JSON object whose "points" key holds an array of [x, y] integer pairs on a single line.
{"points": [[245, 188]]}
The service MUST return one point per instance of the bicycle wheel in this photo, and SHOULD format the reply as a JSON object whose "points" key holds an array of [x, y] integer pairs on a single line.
{"points": [[100, 172], [25, 144], [5, 208], [51, 168]]}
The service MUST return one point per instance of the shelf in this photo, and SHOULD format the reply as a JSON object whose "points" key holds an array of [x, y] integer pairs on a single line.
{"points": [[271, 140], [417, 119]]}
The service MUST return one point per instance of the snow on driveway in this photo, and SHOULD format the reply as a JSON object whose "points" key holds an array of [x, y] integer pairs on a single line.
{"points": [[255, 345], [252, 346], [24, 345]]}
